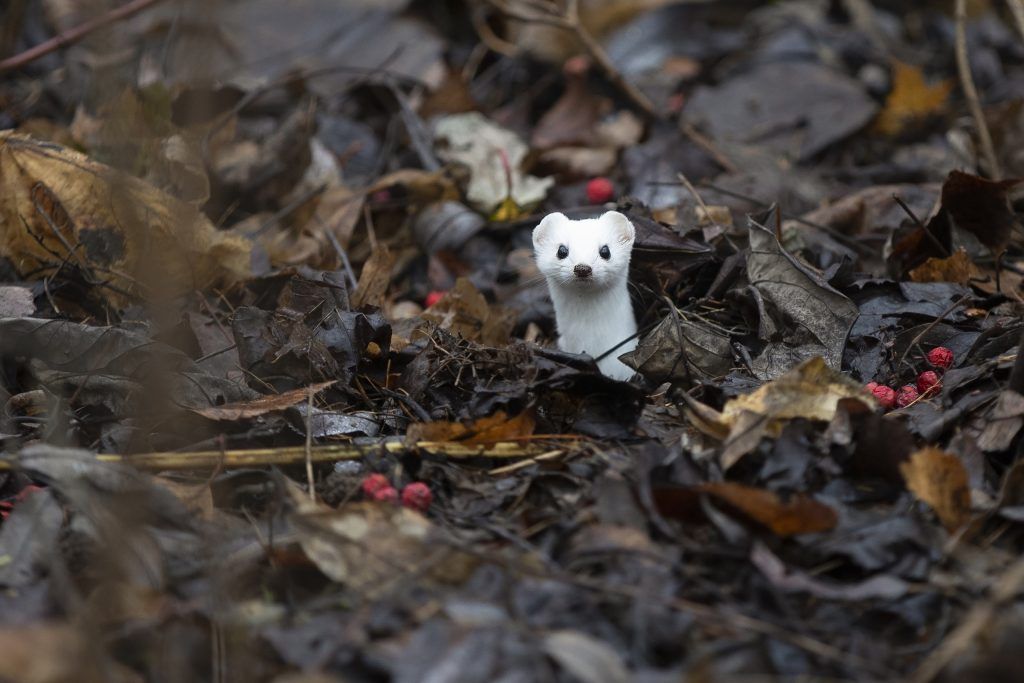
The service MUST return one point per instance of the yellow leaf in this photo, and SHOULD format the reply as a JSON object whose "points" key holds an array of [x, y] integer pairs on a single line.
{"points": [[911, 100], [508, 210]]}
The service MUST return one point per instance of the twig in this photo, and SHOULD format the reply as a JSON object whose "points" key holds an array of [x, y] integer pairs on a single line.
{"points": [[963, 66], [980, 616], [917, 221], [1017, 374], [296, 455], [708, 147], [931, 326], [309, 444], [73, 35], [1017, 10], [570, 21]]}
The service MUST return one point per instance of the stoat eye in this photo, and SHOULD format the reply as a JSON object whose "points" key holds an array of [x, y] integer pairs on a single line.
{"points": [[563, 251], [605, 252]]}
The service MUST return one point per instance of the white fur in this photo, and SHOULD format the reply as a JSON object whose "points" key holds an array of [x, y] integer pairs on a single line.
{"points": [[593, 314]]}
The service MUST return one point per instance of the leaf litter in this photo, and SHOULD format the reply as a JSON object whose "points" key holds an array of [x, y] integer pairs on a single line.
{"points": [[280, 394]]}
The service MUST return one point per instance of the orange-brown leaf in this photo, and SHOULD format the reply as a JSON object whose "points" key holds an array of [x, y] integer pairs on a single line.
{"points": [[939, 479], [798, 515]]}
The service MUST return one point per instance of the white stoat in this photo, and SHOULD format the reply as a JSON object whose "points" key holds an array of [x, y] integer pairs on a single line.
{"points": [[586, 264]]}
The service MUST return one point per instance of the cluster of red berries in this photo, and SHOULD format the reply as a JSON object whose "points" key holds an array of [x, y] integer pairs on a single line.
{"points": [[416, 496], [928, 382]]}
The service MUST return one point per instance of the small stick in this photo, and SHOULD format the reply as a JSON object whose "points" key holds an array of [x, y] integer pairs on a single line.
{"points": [[74, 34], [920, 224], [963, 66], [931, 326], [309, 444], [1017, 9], [978, 618], [570, 21]]}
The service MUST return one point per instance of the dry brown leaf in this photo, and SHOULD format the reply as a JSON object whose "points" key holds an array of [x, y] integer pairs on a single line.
{"points": [[53, 653], [939, 480], [368, 546], [798, 515], [810, 390], [262, 405], [486, 430], [957, 268], [333, 222], [911, 100], [126, 236], [375, 278], [464, 311]]}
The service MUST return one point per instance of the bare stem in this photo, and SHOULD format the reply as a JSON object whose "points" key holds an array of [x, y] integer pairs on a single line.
{"points": [[971, 93], [570, 21], [1017, 10], [73, 35]]}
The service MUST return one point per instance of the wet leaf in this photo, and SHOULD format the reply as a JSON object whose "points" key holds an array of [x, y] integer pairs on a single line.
{"points": [[811, 317], [792, 108]]}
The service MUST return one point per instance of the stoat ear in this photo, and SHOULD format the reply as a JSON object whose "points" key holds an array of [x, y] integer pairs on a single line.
{"points": [[542, 233], [620, 226]]}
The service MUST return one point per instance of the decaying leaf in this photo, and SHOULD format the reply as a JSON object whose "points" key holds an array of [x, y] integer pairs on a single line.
{"points": [[465, 311], [682, 350], [797, 515], [369, 546], [911, 100], [939, 480], [127, 237], [486, 430], [811, 391], [797, 305], [263, 404], [957, 268], [588, 659], [494, 156]]}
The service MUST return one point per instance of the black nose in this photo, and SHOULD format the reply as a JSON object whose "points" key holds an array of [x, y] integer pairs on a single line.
{"points": [[582, 270]]}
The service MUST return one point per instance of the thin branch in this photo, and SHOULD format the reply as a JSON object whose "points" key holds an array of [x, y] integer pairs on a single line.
{"points": [[74, 34], [530, 447], [570, 21], [1017, 10], [963, 66]]}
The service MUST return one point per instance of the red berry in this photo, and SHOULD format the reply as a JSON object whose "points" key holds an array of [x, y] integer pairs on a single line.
{"points": [[906, 395], [940, 357], [433, 298], [388, 494], [374, 483], [870, 387], [600, 190], [417, 496], [928, 382], [886, 396]]}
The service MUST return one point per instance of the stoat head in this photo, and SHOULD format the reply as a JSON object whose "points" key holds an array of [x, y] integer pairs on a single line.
{"points": [[592, 253]]}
